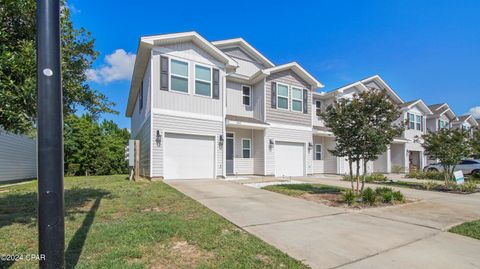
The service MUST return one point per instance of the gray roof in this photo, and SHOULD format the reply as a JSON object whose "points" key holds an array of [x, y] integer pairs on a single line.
{"points": [[409, 103], [244, 119], [435, 106], [463, 117]]}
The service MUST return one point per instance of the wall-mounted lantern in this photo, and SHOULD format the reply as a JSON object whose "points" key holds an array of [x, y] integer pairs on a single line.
{"points": [[310, 146], [220, 140], [158, 138], [271, 143]]}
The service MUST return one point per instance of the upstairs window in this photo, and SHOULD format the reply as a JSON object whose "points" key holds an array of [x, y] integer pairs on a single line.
{"points": [[411, 121], [415, 122], [297, 99], [318, 152], [246, 148], [179, 76], [246, 90], [318, 107], [282, 96], [443, 124], [419, 120], [203, 80]]}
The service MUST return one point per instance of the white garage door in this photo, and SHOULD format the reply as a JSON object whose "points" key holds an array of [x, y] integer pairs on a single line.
{"points": [[289, 159], [189, 156]]}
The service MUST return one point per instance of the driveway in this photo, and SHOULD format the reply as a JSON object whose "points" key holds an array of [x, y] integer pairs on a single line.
{"points": [[405, 236]]}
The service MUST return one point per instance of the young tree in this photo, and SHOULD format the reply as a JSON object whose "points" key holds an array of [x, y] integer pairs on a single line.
{"points": [[341, 119], [378, 114], [475, 143], [18, 72], [449, 146]]}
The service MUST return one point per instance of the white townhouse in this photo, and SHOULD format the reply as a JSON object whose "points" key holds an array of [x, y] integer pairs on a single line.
{"points": [[442, 117], [204, 109], [466, 123]]}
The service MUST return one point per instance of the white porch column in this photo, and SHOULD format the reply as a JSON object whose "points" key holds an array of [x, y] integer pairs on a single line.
{"points": [[389, 159]]}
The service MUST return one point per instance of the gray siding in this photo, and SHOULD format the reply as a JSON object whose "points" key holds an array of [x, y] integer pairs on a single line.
{"points": [[145, 144], [247, 65], [289, 135], [287, 116], [138, 117], [259, 100], [253, 165], [183, 125], [235, 104], [18, 157], [183, 102]]}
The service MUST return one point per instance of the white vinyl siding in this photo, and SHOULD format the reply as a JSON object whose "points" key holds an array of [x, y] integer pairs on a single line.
{"points": [[297, 99], [282, 96], [246, 148], [145, 143], [203, 80], [179, 76]]}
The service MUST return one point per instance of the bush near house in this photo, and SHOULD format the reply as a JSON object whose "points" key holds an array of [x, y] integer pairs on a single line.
{"points": [[373, 177], [425, 175]]}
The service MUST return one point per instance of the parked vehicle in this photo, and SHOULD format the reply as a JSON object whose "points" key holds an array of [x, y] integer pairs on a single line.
{"points": [[466, 166]]}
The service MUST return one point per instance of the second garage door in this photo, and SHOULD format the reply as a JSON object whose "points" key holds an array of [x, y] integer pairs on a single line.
{"points": [[189, 156], [289, 159]]}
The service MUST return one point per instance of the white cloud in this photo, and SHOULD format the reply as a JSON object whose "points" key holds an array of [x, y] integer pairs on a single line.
{"points": [[475, 111], [118, 66]]}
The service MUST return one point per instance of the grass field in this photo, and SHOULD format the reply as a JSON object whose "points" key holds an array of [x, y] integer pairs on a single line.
{"points": [[471, 229], [113, 223]]}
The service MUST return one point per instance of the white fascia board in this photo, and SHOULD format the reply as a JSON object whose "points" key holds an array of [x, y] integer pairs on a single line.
{"points": [[294, 66], [141, 61], [246, 46], [422, 105], [381, 81]]}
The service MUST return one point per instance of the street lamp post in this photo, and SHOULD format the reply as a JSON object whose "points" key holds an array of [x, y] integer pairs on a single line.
{"points": [[50, 136]]}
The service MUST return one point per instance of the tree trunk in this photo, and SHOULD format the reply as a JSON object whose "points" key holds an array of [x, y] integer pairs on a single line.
{"points": [[350, 166], [364, 174], [357, 176], [446, 173]]}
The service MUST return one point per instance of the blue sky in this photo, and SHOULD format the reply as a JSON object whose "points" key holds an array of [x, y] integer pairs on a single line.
{"points": [[422, 49]]}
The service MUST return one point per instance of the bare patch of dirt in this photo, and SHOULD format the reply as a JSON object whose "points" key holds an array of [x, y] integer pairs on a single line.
{"points": [[179, 254], [155, 209]]}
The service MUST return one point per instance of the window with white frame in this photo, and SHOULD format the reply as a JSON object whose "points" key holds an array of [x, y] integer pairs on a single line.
{"points": [[246, 91], [318, 107], [203, 80], [297, 99], [415, 122], [178, 76], [443, 124], [318, 152], [282, 96], [246, 148]]}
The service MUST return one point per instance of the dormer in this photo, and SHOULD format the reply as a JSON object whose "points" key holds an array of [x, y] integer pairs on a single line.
{"points": [[415, 114], [442, 117]]}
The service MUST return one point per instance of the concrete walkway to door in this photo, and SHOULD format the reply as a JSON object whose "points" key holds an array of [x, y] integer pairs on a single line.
{"points": [[328, 237]]}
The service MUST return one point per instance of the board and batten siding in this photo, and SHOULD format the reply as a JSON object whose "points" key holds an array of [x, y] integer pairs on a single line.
{"points": [[235, 104], [18, 157], [286, 135], [287, 116], [184, 102], [183, 125], [144, 135]]}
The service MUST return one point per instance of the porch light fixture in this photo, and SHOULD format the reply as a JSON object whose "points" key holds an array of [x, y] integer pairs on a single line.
{"points": [[220, 140], [158, 138], [271, 143], [310, 146]]}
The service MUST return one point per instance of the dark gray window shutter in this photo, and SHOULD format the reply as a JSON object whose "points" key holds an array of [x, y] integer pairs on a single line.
{"points": [[216, 84], [163, 73], [305, 101], [274, 95]]}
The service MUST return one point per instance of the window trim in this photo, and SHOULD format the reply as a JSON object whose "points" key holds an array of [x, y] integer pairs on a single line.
{"points": [[415, 122], [249, 149], [170, 74], [249, 95], [321, 152], [295, 99], [201, 80], [288, 95]]}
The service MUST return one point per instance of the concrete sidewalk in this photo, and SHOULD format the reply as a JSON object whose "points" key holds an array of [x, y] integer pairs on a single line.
{"points": [[407, 236]]}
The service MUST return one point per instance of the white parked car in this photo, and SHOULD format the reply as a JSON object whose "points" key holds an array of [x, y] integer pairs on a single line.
{"points": [[466, 166]]}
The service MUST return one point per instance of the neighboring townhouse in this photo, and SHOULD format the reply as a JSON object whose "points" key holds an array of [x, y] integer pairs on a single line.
{"points": [[442, 117], [18, 156], [210, 109], [466, 123]]}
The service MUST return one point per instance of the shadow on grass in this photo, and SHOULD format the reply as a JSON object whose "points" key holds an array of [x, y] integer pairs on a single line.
{"points": [[312, 189]]}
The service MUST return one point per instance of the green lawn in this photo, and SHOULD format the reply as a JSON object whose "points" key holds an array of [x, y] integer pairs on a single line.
{"points": [[471, 229], [299, 189], [113, 223]]}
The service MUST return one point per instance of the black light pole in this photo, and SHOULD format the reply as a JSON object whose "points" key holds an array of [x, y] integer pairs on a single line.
{"points": [[50, 136]]}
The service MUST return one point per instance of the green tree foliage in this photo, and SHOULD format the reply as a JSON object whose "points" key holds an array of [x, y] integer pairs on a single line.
{"points": [[18, 67], [363, 127], [449, 146], [475, 143], [93, 148]]}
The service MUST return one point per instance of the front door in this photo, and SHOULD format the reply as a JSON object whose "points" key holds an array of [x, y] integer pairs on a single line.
{"points": [[230, 152]]}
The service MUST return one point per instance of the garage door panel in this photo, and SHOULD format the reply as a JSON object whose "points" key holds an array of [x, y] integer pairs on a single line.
{"points": [[189, 156], [289, 159]]}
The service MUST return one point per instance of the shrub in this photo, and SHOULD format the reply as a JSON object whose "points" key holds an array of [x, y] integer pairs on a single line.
{"points": [[398, 196], [425, 175], [346, 178], [375, 177], [387, 197], [468, 186], [72, 169], [382, 190], [348, 197], [398, 169], [430, 185], [369, 196]]}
